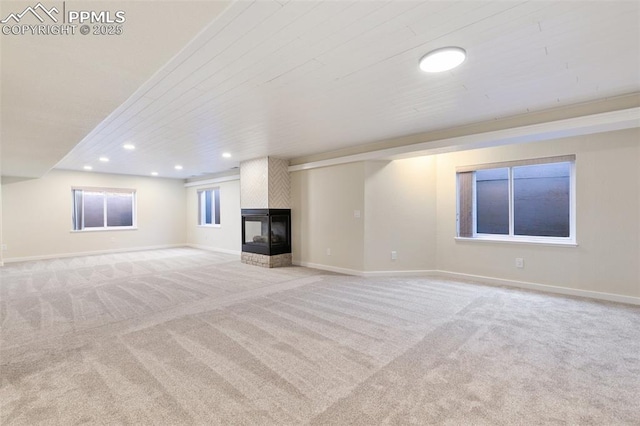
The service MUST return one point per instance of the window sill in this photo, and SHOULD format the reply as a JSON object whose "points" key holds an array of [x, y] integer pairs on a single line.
{"points": [[110, 229], [209, 226], [538, 242]]}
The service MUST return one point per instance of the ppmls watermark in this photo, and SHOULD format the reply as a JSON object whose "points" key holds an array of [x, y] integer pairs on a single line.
{"points": [[57, 20]]}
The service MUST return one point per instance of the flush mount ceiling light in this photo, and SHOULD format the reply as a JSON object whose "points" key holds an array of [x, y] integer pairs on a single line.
{"points": [[226, 155], [443, 59], [129, 146], [104, 159], [178, 167], [154, 173], [88, 168]]}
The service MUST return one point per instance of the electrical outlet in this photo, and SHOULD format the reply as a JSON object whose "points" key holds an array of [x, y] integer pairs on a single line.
{"points": [[4, 247], [519, 262], [394, 255], [328, 252], [356, 214]]}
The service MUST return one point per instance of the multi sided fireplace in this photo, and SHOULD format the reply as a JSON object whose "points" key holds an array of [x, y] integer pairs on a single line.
{"points": [[266, 232]]}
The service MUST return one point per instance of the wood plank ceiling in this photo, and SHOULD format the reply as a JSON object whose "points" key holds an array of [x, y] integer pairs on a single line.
{"points": [[295, 78], [55, 89]]}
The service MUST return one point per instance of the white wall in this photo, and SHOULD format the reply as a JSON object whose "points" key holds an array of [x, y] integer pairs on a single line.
{"points": [[410, 206], [1, 235], [323, 202], [37, 215], [227, 236], [608, 212], [397, 205], [405, 205], [400, 215]]}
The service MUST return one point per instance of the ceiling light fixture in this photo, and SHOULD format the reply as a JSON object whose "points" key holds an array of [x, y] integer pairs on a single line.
{"points": [[178, 167], [129, 146], [104, 159], [154, 173], [226, 155], [443, 59], [88, 168]]}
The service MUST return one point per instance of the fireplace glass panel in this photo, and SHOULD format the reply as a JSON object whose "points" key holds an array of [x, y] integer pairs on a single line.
{"points": [[279, 230], [256, 230]]}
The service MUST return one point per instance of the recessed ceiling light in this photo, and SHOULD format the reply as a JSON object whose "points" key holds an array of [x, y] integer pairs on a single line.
{"points": [[88, 168], [129, 146], [443, 59], [154, 173], [178, 167], [104, 159], [226, 155]]}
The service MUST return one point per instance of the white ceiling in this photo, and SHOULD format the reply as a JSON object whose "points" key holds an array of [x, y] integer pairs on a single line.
{"points": [[291, 79], [55, 89]]}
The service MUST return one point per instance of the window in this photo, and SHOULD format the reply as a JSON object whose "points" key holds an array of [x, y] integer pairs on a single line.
{"points": [[95, 208], [531, 200], [209, 207]]}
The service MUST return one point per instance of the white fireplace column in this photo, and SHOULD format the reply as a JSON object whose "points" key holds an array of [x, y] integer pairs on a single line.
{"points": [[265, 184]]}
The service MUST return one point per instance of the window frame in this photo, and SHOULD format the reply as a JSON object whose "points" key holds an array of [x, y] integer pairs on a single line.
{"points": [[106, 227], [571, 240], [216, 221]]}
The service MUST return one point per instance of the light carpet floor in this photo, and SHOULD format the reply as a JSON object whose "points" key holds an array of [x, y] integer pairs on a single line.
{"points": [[182, 336]]}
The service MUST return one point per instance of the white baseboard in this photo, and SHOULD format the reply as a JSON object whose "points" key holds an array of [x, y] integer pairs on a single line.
{"points": [[481, 279], [218, 250], [409, 273], [89, 253], [357, 273], [445, 274], [329, 268], [542, 287]]}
